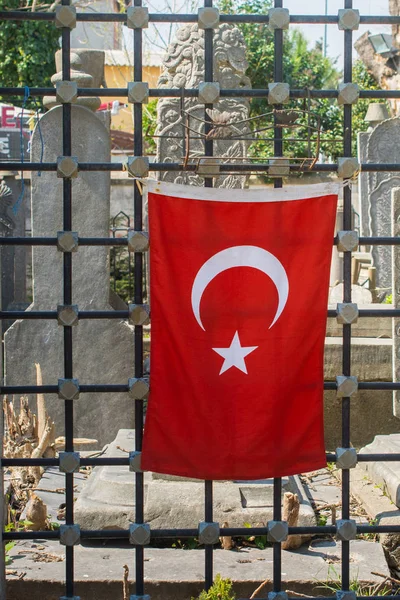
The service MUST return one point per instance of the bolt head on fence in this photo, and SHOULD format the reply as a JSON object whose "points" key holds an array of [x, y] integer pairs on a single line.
{"points": [[346, 529], [138, 241], [138, 92], [349, 19], [347, 313], [348, 241], [278, 93], [348, 93], [346, 458], [70, 535], [279, 18], [346, 386], [68, 389], [209, 92], [66, 91], [138, 388], [208, 532], [67, 315], [139, 534], [65, 16], [70, 462], [67, 241], [138, 166], [139, 314], [67, 167], [208, 18], [137, 17], [277, 531]]}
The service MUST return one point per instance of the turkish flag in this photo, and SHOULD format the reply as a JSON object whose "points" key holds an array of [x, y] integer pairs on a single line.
{"points": [[239, 283]]}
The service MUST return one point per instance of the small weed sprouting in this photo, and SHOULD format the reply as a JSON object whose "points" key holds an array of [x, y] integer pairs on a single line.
{"points": [[188, 544], [220, 590], [260, 541], [322, 520], [334, 584], [8, 547]]}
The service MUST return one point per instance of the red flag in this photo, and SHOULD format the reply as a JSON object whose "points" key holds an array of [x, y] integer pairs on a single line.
{"points": [[239, 283]]}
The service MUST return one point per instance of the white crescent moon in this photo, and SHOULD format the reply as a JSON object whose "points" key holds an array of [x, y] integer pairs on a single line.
{"points": [[241, 256]]}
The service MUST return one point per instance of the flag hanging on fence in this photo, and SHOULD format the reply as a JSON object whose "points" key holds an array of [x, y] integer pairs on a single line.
{"points": [[239, 283]]}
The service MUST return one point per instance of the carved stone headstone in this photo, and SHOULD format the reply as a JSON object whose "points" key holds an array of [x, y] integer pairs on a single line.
{"points": [[102, 349], [13, 258], [382, 145], [396, 297], [184, 69]]}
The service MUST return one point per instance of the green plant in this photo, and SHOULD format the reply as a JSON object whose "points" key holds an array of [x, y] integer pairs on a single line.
{"points": [[188, 544], [8, 547], [26, 51], [388, 299], [220, 590], [322, 520], [261, 541], [149, 125], [334, 584]]}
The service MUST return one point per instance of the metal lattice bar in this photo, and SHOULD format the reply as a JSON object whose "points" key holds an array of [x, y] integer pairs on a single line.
{"points": [[68, 294]]}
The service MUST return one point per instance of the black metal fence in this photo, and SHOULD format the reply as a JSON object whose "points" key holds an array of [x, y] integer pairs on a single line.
{"points": [[70, 534]]}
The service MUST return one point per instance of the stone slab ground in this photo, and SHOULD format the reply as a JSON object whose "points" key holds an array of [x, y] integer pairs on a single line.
{"points": [[172, 574], [176, 574]]}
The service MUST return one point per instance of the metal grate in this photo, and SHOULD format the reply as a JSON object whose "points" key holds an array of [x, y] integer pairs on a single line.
{"points": [[69, 531]]}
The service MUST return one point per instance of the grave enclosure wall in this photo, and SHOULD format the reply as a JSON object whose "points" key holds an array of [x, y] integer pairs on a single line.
{"points": [[64, 318]]}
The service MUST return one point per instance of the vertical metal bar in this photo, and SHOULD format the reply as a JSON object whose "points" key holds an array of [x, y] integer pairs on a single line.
{"points": [[208, 182], [346, 356], [2, 491], [278, 183], [67, 296], [138, 295]]}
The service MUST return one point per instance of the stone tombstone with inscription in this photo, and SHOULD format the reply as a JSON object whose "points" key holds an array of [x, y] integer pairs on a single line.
{"points": [[13, 258], [396, 297], [381, 145], [180, 121], [103, 350]]}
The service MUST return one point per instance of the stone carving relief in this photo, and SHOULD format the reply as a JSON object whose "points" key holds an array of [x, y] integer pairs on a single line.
{"points": [[380, 219], [184, 69]]}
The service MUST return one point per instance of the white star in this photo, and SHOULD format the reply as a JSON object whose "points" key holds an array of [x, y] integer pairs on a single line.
{"points": [[234, 355]]}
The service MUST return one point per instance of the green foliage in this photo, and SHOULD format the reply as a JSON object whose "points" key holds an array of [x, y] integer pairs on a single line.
{"points": [[149, 125], [388, 299], [303, 68], [191, 543], [220, 590], [322, 520], [261, 541], [26, 51], [334, 584], [8, 547]]}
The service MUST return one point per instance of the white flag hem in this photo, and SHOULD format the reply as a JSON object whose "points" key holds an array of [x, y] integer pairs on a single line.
{"points": [[288, 193]]}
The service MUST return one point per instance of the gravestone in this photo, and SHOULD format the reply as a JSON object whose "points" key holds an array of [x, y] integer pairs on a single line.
{"points": [[184, 68], [396, 297], [13, 258], [382, 145], [102, 349], [107, 500]]}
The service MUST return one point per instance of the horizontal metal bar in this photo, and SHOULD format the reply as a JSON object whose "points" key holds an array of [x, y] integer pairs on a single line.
{"points": [[118, 461], [318, 167], [194, 92], [123, 241], [52, 241], [121, 387], [53, 389], [31, 315], [192, 18], [185, 533]]}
